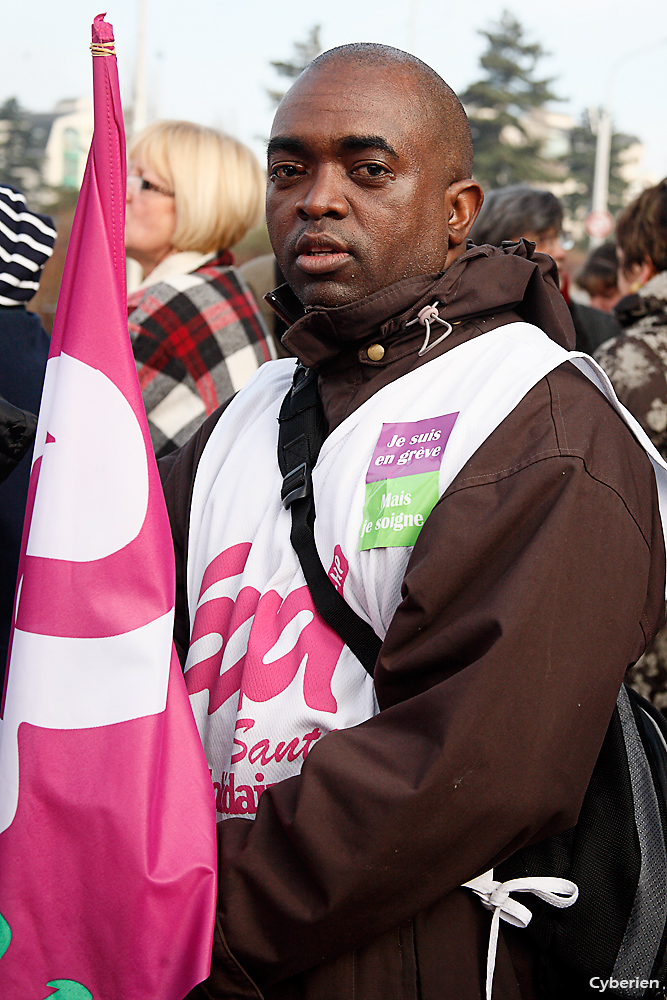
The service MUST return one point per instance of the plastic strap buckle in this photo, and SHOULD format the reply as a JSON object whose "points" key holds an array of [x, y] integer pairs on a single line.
{"points": [[296, 485]]}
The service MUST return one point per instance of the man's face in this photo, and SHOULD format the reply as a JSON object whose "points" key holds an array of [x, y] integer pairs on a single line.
{"points": [[356, 185]]}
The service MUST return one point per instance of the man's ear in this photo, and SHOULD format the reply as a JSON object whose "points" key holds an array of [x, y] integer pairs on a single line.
{"points": [[463, 200]]}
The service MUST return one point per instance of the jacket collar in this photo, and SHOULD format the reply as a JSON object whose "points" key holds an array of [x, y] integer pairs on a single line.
{"points": [[482, 281], [650, 300]]}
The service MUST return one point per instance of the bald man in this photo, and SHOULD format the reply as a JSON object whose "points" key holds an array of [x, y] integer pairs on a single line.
{"points": [[479, 505]]}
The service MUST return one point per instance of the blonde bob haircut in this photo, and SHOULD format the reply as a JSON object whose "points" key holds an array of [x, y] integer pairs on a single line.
{"points": [[217, 182]]}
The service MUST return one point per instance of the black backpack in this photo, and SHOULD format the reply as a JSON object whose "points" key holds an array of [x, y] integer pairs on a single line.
{"points": [[612, 941], [616, 854]]}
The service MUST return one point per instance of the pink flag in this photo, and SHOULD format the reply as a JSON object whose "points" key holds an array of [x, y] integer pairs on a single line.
{"points": [[107, 814]]}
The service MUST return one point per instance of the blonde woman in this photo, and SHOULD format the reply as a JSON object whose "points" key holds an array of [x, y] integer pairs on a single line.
{"points": [[197, 336]]}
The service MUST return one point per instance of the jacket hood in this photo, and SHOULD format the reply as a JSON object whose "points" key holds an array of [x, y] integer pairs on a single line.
{"points": [[481, 282]]}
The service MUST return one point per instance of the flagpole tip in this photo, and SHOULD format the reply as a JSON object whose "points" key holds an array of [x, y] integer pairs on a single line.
{"points": [[102, 31]]}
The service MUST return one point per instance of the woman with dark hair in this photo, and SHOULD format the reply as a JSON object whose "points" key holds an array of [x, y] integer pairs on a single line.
{"points": [[520, 211], [517, 211], [599, 277], [636, 363]]}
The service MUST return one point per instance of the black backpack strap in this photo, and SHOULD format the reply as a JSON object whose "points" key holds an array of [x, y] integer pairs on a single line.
{"points": [[300, 437]]}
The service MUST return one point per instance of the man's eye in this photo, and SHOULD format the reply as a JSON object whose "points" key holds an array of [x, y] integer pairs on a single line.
{"points": [[371, 171], [285, 171]]}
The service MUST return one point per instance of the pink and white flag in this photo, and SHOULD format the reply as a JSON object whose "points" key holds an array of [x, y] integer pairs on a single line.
{"points": [[107, 813]]}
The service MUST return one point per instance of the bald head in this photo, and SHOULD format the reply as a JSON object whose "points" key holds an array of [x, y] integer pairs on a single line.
{"points": [[442, 111], [368, 175]]}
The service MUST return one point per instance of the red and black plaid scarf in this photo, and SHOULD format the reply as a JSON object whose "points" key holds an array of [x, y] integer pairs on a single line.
{"points": [[197, 338]]}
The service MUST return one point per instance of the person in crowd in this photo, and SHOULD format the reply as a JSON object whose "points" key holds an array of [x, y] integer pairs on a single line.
{"points": [[636, 360], [262, 275], [197, 335], [522, 211], [466, 494], [519, 211], [599, 278], [636, 363], [26, 243]]}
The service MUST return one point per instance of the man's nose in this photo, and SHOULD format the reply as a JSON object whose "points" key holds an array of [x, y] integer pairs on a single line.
{"points": [[324, 196]]}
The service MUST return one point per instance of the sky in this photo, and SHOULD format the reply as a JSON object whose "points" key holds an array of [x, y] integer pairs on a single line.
{"points": [[208, 60]]}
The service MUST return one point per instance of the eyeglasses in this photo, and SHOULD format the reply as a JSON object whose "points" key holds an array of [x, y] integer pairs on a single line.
{"points": [[547, 241], [136, 183]]}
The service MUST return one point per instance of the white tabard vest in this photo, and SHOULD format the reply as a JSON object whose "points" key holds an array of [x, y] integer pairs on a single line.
{"points": [[267, 677]]}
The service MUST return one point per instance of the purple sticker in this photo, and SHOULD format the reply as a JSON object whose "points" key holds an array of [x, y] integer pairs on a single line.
{"points": [[408, 449]]}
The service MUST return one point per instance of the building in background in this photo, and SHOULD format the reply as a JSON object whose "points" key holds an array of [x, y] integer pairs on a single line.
{"points": [[44, 153], [67, 145]]}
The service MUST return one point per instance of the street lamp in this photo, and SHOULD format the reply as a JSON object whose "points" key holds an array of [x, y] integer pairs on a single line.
{"points": [[139, 116], [603, 145], [139, 121], [602, 161]]}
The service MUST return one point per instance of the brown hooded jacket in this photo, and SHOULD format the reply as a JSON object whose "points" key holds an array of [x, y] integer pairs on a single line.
{"points": [[536, 580]]}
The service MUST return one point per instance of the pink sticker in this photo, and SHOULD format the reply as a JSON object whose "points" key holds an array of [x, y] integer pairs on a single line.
{"points": [[408, 449], [339, 568]]}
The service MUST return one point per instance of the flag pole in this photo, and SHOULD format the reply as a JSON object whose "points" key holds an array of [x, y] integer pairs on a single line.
{"points": [[107, 810]]}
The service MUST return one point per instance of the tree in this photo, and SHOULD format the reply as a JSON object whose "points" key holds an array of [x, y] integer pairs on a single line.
{"points": [[580, 164], [20, 159], [304, 53], [498, 104]]}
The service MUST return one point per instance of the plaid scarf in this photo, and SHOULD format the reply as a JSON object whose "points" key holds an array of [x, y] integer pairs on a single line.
{"points": [[197, 338]]}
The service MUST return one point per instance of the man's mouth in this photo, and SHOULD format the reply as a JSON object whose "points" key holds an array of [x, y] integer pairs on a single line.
{"points": [[321, 261], [317, 255]]}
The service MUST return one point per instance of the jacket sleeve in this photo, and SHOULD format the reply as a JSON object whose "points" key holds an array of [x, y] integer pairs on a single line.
{"points": [[17, 432], [534, 583], [637, 372]]}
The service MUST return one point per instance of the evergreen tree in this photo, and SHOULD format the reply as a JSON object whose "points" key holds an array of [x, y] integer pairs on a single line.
{"points": [[20, 162], [498, 103], [580, 164], [304, 53]]}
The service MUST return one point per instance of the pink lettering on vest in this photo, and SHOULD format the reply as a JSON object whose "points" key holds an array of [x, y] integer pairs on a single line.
{"points": [[223, 617], [284, 635], [220, 616], [231, 562], [245, 725]]}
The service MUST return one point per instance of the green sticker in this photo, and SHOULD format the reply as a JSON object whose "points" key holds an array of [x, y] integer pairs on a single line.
{"points": [[395, 510]]}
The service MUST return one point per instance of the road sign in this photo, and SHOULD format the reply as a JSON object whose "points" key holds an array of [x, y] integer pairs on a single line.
{"points": [[599, 224]]}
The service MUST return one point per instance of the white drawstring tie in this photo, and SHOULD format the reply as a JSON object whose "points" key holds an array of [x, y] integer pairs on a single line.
{"points": [[426, 316], [559, 892]]}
